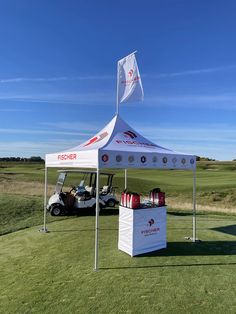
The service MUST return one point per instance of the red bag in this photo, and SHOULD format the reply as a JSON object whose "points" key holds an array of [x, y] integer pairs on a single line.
{"points": [[161, 199], [157, 197], [135, 201]]}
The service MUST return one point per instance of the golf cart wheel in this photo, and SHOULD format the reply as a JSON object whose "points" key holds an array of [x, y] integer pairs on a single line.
{"points": [[111, 203], [56, 211]]}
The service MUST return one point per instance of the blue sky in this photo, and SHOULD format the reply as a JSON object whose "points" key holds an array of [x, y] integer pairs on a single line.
{"points": [[58, 63]]}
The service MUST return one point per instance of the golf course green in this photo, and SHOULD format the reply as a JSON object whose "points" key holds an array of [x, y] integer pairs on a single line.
{"points": [[53, 272]]}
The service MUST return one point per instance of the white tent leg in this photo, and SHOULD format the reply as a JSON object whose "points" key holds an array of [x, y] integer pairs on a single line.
{"points": [[125, 178], [194, 206], [44, 229], [96, 267]]}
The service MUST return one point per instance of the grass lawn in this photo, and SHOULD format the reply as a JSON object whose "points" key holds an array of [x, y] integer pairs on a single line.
{"points": [[53, 272]]}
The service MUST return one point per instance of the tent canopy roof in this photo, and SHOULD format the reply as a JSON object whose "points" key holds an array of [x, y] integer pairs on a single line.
{"points": [[118, 145]]}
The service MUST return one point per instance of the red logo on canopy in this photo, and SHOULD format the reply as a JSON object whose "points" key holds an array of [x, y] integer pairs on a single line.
{"points": [[96, 139], [130, 134]]}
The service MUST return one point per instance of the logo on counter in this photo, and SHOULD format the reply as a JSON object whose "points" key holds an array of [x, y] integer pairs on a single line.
{"points": [[150, 228], [151, 222]]}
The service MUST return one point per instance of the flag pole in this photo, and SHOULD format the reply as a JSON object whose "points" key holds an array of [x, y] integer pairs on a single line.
{"points": [[117, 85]]}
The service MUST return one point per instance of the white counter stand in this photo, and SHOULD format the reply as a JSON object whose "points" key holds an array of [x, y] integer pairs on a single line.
{"points": [[142, 230]]}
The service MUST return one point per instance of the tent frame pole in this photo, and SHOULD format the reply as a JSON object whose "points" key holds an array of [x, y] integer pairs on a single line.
{"points": [[117, 86], [194, 206], [96, 266], [45, 200], [125, 178]]}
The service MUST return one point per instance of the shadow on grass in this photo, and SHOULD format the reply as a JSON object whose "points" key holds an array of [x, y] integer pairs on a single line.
{"points": [[179, 213], [168, 265], [82, 230], [208, 248], [205, 248], [226, 229], [89, 212]]}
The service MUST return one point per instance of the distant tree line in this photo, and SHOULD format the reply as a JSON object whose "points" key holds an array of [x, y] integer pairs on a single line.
{"points": [[204, 159], [23, 159]]}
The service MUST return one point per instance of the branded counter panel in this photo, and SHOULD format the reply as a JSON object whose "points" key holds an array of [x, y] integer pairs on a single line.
{"points": [[142, 230]]}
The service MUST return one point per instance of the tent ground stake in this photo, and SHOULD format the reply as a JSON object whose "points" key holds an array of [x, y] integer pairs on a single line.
{"points": [[192, 239], [44, 230]]}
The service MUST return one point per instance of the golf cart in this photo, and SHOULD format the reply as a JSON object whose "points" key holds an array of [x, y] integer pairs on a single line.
{"points": [[81, 196], [107, 192]]}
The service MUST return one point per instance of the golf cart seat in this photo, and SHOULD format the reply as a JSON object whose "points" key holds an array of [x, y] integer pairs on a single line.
{"points": [[69, 200], [90, 189], [105, 189]]}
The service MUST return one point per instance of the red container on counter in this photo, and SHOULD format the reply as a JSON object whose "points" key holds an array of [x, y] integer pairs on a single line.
{"points": [[135, 201], [123, 199], [128, 196], [161, 198], [130, 200], [157, 197]]}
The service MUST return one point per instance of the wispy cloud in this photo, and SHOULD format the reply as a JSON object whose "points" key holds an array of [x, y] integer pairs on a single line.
{"points": [[109, 76], [30, 148], [193, 72], [200, 141], [55, 79], [44, 132], [216, 141], [217, 101], [92, 98], [15, 110], [75, 126]]}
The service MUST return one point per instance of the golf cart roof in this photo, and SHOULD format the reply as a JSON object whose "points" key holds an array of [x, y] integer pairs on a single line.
{"points": [[85, 172]]}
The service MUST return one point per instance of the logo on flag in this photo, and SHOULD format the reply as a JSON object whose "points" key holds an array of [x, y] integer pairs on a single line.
{"points": [[131, 72], [129, 85]]}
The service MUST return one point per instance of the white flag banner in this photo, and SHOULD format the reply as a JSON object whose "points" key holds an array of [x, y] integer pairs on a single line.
{"points": [[129, 85]]}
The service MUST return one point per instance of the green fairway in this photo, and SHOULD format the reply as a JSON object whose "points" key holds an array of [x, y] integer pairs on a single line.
{"points": [[53, 272], [22, 188]]}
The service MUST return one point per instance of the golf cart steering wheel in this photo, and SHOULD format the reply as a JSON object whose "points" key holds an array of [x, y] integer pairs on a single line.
{"points": [[73, 188]]}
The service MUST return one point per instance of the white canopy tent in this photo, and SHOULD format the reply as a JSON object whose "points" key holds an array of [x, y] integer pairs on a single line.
{"points": [[118, 145]]}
